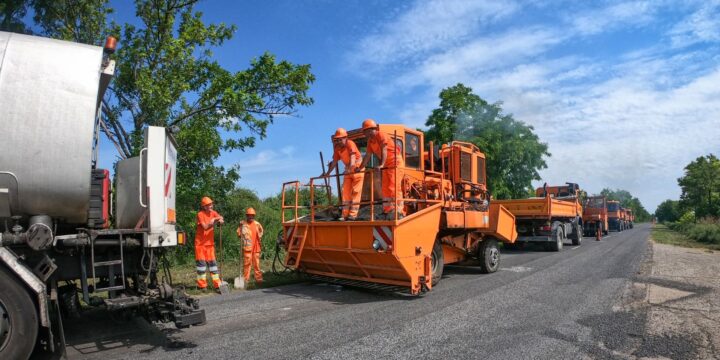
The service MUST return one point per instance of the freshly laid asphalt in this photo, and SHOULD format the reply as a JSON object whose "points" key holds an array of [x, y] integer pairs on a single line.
{"points": [[539, 305]]}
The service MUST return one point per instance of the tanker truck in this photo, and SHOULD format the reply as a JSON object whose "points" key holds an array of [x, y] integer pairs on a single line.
{"points": [[57, 245]]}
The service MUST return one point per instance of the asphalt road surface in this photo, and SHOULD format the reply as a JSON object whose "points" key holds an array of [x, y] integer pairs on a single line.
{"points": [[539, 305]]}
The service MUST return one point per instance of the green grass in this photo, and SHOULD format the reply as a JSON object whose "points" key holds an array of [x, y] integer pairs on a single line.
{"points": [[663, 235], [185, 275]]}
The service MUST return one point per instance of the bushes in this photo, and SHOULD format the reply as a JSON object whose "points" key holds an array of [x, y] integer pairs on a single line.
{"points": [[705, 231]]}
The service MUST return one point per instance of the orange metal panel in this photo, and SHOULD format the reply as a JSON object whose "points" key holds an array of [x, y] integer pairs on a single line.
{"points": [[502, 223]]}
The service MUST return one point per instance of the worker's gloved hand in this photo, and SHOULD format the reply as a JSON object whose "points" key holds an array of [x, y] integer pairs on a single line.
{"points": [[220, 220]]}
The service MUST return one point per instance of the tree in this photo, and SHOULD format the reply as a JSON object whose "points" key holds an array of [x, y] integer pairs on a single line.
{"points": [[81, 21], [668, 211], [514, 153], [627, 200], [701, 186], [12, 13], [442, 123]]}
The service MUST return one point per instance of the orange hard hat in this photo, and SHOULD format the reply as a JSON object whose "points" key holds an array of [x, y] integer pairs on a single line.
{"points": [[340, 133], [250, 211], [205, 201], [369, 124]]}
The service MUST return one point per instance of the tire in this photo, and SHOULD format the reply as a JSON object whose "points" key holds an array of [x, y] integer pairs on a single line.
{"points": [[489, 256], [577, 240], [557, 235], [437, 263], [19, 319]]}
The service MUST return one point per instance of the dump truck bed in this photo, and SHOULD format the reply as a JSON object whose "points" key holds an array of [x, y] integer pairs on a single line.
{"points": [[542, 207]]}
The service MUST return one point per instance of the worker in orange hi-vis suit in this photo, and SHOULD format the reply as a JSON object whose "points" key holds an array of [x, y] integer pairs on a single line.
{"points": [[346, 151], [205, 244], [250, 233], [391, 164]]}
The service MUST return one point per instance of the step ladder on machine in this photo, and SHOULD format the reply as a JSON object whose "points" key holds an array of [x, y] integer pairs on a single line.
{"points": [[295, 239], [110, 264]]}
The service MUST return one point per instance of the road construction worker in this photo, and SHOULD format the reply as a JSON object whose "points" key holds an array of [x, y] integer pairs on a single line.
{"points": [[250, 233], [391, 164], [345, 149], [205, 244]]}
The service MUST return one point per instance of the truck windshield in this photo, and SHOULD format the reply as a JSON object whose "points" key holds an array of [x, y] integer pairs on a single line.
{"points": [[594, 203], [613, 207]]}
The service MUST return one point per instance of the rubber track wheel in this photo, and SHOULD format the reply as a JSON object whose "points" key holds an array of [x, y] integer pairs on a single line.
{"points": [[23, 318], [489, 256], [438, 263]]}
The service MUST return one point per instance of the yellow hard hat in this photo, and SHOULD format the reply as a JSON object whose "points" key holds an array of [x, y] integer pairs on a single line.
{"points": [[250, 211], [340, 133], [369, 124], [205, 201]]}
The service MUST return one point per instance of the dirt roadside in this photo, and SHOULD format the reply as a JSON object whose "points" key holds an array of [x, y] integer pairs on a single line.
{"points": [[677, 294]]}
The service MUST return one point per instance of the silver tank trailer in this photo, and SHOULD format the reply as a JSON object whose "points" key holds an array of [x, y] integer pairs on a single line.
{"points": [[48, 100]]}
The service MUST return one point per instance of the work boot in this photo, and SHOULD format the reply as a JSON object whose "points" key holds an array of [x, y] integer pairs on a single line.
{"points": [[341, 219], [353, 218]]}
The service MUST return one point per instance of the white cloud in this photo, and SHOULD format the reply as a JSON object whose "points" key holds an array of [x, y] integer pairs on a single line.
{"points": [[701, 26], [634, 13], [426, 27]]}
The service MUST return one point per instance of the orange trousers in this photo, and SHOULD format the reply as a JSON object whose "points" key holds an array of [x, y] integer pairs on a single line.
{"points": [[391, 188], [205, 261], [251, 259], [351, 192]]}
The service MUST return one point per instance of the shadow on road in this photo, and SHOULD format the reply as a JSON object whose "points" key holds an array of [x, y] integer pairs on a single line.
{"points": [[98, 332]]}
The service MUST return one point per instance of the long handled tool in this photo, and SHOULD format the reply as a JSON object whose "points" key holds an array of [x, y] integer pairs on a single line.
{"points": [[224, 289]]}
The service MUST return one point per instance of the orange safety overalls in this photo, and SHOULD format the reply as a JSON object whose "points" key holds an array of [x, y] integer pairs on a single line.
{"points": [[352, 181], [392, 170], [205, 249], [250, 234]]}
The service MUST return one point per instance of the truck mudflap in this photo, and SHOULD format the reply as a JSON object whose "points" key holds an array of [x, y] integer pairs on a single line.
{"points": [[502, 224]]}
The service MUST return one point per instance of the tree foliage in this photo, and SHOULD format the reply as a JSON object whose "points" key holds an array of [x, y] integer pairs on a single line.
{"points": [[514, 153], [701, 186], [627, 200], [12, 13], [668, 211]]}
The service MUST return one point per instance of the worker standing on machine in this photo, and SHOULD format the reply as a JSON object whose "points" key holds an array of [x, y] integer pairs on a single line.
{"points": [[250, 233], [345, 149], [391, 164], [205, 244]]}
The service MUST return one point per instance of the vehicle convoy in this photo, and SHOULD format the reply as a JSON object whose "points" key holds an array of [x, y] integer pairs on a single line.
{"points": [[551, 217], [595, 216], [616, 216], [56, 205], [449, 218]]}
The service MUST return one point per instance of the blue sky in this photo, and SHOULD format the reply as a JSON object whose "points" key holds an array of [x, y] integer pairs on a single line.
{"points": [[624, 93]]}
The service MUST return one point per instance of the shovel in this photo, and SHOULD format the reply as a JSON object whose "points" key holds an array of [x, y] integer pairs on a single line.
{"points": [[239, 283], [224, 289]]}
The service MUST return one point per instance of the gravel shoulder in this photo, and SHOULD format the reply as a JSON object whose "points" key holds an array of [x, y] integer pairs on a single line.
{"points": [[676, 294]]}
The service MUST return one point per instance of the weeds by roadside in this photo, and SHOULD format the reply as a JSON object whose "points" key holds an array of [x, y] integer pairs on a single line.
{"points": [[664, 235]]}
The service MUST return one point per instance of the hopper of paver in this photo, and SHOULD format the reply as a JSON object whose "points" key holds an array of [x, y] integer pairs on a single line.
{"points": [[388, 254]]}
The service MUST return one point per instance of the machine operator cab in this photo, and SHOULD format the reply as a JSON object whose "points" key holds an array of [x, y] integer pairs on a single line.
{"points": [[569, 190]]}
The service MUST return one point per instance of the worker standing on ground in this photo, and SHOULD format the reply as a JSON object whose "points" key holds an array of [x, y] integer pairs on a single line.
{"points": [[250, 233], [205, 244], [391, 164], [345, 149]]}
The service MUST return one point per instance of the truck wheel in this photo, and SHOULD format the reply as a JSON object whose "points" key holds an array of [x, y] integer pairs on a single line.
{"points": [[437, 262], [18, 319], [489, 256], [557, 235], [577, 240]]}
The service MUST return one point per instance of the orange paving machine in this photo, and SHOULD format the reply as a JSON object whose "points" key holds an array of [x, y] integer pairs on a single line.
{"points": [[449, 218], [551, 217]]}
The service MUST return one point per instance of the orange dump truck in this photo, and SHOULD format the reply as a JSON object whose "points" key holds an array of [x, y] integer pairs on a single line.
{"points": [[616, 215], [595, 216], [629, 218], [552, 217], [449, 218]]}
